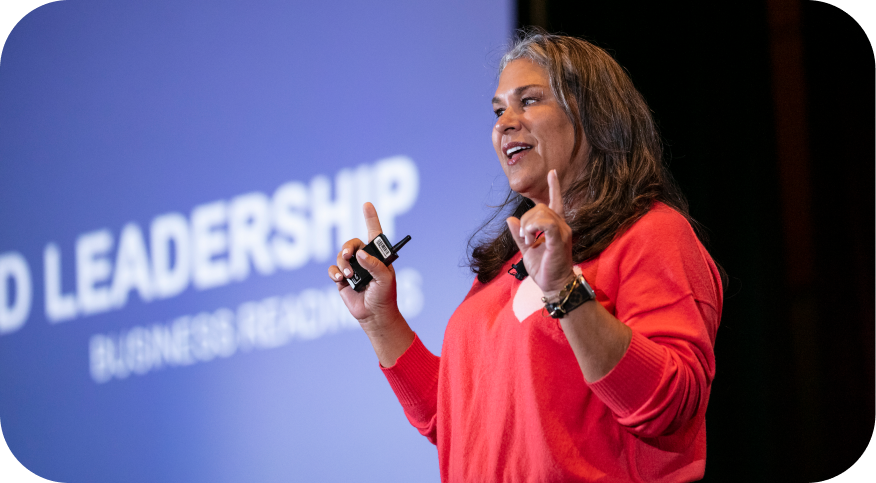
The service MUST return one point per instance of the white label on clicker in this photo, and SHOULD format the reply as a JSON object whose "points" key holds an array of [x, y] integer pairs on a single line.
{"points": [[382, 247]]}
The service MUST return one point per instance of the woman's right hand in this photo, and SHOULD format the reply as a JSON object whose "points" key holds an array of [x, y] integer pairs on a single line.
{"points": [[377, 304], [376, 307]]}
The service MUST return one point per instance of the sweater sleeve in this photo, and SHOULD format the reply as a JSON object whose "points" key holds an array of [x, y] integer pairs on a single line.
{"points": [[669, 293], [414, 379]]}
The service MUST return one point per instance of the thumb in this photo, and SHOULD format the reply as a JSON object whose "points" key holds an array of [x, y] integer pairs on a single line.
{"points": [[514, 228], [375, 267]]}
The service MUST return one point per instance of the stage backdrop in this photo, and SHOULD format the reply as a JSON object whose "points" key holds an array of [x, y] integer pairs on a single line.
{"points": [[175, 179]]}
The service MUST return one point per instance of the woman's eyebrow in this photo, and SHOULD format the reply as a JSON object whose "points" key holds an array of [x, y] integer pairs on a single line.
{"points": [[517, 91]]}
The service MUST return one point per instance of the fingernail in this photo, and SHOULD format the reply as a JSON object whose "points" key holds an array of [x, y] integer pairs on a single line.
{"points": [[347, 272], [345, 252], [521, 231], [337, 276], [361, 254]]}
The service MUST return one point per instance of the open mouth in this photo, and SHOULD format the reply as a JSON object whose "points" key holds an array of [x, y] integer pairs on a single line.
{"points": [[515, 151]]}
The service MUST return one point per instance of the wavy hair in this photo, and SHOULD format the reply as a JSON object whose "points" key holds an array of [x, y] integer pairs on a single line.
{"points": [[623, 174]]}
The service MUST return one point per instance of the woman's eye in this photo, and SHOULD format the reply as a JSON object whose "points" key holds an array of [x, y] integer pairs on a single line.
{"points": [[528, 100], [498, 112]]}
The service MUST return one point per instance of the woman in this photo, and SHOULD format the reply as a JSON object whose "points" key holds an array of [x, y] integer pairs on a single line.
{"points": [[598, 364]]}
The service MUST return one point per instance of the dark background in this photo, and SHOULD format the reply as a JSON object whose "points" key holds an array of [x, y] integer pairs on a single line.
{"points": [[767, 112]]}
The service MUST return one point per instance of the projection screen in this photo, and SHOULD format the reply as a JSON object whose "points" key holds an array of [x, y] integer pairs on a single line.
{"points": [[175, 179]]}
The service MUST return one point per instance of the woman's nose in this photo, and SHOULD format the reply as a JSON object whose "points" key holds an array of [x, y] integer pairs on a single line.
{"points": [[508, 121]]}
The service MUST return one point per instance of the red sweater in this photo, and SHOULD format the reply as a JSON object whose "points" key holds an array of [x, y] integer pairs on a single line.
{"points": [[506, 401]]}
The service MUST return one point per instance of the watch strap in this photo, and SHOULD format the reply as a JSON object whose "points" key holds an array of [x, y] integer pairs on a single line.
{"points": [[573, 295]]}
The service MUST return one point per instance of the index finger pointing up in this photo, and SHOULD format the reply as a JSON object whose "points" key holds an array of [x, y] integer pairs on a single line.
{"points": [[555, 193], [371, 221]]}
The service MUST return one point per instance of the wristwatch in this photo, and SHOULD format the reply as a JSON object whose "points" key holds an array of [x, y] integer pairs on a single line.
{"points": [[572, 296]]}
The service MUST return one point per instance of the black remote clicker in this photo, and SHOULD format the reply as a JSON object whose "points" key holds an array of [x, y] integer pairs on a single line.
{"points": [[379, 248]]}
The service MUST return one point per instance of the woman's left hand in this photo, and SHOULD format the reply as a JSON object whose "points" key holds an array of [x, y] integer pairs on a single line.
{"points": [[548, 258]]}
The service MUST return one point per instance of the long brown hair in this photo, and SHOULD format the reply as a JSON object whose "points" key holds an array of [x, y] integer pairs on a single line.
{"points": [[623, 174]]}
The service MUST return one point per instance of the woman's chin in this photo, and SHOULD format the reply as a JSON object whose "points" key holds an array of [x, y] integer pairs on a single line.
{"points": [[534, 195]]}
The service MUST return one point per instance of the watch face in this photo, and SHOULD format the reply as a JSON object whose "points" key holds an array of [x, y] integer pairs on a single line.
{"points": [[582, 282]]}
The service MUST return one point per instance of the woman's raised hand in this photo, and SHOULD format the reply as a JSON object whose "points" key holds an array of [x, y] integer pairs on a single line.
{"points": [[548, 258], [376, 307], [377, 302]]}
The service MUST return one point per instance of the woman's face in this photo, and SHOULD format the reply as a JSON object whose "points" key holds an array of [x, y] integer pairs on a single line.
{"points": [[532, 134]]}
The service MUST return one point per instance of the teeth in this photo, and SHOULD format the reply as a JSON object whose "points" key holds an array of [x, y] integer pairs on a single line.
{"points": [[514, 150]]}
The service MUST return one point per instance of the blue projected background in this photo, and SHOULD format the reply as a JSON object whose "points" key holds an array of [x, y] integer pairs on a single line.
{"points": [[175, 179]]}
